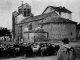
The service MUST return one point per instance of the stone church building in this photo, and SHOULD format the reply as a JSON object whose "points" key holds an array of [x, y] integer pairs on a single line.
{"points": [[56, 21]]}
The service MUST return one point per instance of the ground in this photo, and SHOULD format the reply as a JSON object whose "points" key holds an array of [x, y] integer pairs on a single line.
{"points": [[35, 58]]}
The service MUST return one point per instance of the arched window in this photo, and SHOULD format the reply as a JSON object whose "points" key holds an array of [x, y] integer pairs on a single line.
{"points": [[25, 12], [30, 26], [71, 33], [19, 10], [28, 12]]}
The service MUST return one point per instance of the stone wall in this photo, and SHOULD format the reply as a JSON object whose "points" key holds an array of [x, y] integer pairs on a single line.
{"points": [[60, 31], [78, 34]]}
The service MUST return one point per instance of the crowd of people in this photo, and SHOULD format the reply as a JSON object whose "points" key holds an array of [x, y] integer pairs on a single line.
{"points": [[64, 52], [28, 50]]}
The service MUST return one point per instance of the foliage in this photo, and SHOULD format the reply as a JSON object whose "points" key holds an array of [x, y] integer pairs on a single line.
{"points": [[5, 32]]}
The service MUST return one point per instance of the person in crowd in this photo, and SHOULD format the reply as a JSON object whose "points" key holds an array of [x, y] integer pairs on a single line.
{"points": [[66, 52]]}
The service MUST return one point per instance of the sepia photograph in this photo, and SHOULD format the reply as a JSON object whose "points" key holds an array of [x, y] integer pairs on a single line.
{"points": [[39, 29]]}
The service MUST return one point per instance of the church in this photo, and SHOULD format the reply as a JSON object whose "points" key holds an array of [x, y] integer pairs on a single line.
{"points": [[55, 22]]}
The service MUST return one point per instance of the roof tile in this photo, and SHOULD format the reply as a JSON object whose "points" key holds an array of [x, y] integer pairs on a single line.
{"points": [[57, 20]]}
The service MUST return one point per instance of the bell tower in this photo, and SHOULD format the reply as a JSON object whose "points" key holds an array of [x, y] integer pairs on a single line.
{"points": [[25, 9]]}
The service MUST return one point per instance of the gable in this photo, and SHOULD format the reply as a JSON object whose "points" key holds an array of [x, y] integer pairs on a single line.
{"points": [[54, 14], [47, 10], [20, 18], [58, 9]]}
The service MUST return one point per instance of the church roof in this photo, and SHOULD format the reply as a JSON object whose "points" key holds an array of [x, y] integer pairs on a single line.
{"points": [[44, 17], [60, 9], [38, 17], [57, 20]]}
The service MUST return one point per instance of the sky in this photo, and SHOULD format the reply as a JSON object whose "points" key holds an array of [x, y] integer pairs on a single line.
{"points": [[37, 7]]}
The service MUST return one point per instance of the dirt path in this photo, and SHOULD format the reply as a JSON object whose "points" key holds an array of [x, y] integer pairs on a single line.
{"points": [[35, 58]]}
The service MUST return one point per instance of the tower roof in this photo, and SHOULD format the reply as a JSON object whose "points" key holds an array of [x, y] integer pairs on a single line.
{"points": [[15, 13], [26, 5]]}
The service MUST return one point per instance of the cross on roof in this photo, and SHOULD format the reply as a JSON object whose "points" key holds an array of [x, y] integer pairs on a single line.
{"points": [[22, 2]]}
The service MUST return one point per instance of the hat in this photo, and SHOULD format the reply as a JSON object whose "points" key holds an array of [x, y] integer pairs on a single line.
{"points": [[65, 40]]}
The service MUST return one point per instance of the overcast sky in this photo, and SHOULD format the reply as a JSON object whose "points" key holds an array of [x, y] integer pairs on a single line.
{"points": [[38, 6]]}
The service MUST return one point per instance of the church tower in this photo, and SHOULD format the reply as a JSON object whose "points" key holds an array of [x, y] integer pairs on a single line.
{"points": [[25, 9], [14, 21]]}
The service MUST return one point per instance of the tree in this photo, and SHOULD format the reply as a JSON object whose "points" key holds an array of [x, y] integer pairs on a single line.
{"points": [[5, 32]]}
